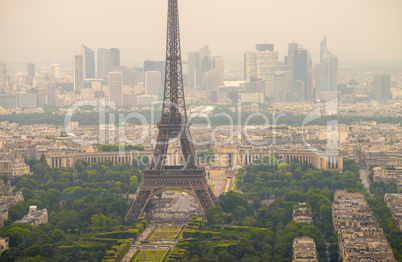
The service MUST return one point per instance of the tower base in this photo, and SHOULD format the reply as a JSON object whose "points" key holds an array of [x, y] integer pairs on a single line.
{"points": [[193, 182]]}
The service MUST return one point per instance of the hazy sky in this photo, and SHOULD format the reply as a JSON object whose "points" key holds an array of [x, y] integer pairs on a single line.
{"points": [[53, 30]]}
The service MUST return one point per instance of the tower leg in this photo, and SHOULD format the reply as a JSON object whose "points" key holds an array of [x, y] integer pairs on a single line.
{"points": [[195, 185]]}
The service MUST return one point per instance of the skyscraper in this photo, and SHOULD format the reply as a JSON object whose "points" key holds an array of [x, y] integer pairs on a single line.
{"points": [[31, 73], [108, 59], [323, 48], [205, 64], [114, 57], [264, 47], [155, 66], [219, 66], [78, 73], [214, 77], [103, 56], [299, 62], [204, 71], [136, 76], [115, 87], [260, 64], [89, 62], [382, 87], [125, 72], [205, 59], [193, 62], [152, 82], [282, 86], [326, 72]]}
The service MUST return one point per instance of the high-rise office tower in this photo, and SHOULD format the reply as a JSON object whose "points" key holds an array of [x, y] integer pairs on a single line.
{"points": [[89, 62], [78, 73], [260, 64], [218, 65], [205, 59], [55, 70], [282, 86], [108, 60], [264, 47], [289, 58], [199, 65], [382, 87], [136, 76], [214, 77], [323, 48], [156, 66], [31, 73], [326, 72], [212, 80], [115, 87], [299, 61], [193, 63], [103, 56], [205, 64], [114, 57], [125, 72], [152, 82]]}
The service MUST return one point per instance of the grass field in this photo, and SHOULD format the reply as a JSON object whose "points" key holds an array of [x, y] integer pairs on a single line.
{"points": [[164, 233], [151, 256]]}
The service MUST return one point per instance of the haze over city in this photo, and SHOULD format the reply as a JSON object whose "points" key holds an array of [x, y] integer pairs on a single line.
{"points": [[245, 131], [48, 31]]}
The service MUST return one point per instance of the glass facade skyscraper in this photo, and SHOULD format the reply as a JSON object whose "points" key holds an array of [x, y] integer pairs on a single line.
{"points": [[103, 63], [78, 73], [300, 64], [114, 56], [89, 62], [382, 87], [326, 72], [108, 59], [260, 64]]}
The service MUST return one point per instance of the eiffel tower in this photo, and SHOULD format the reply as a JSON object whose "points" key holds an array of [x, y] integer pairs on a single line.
{"points": [[173, 128]]}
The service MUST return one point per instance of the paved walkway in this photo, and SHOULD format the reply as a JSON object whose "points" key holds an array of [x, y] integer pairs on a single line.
{"points": [[133, 249], [228, 185], [129, 254], [364, 177]]}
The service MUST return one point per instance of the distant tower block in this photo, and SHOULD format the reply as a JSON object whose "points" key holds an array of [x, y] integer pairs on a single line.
{"points": [[152, 82]]}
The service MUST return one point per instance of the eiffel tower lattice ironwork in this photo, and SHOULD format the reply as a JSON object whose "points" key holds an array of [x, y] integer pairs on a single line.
{"points": [[173, 127]]}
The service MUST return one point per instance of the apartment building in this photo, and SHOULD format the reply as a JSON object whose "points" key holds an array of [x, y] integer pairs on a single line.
{"points": [[394, 202], [359, 234], [304, 250]]}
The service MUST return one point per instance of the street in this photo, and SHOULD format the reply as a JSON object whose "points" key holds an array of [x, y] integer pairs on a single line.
{"points": [[364, 177]]}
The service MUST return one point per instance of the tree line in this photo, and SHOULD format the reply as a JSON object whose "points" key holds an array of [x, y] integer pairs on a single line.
{"points": [[81, 202]]}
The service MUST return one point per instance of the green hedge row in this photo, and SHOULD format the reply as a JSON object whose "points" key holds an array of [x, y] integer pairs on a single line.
{"points": [[120, 251], [136, 254], [131, 233], [176, 255], [242, 228], [84, 246], [120, 240], [201, 235]]}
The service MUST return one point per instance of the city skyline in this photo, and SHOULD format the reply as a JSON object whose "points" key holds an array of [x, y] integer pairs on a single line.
{"points": [[290, 159], [363, 30]]}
